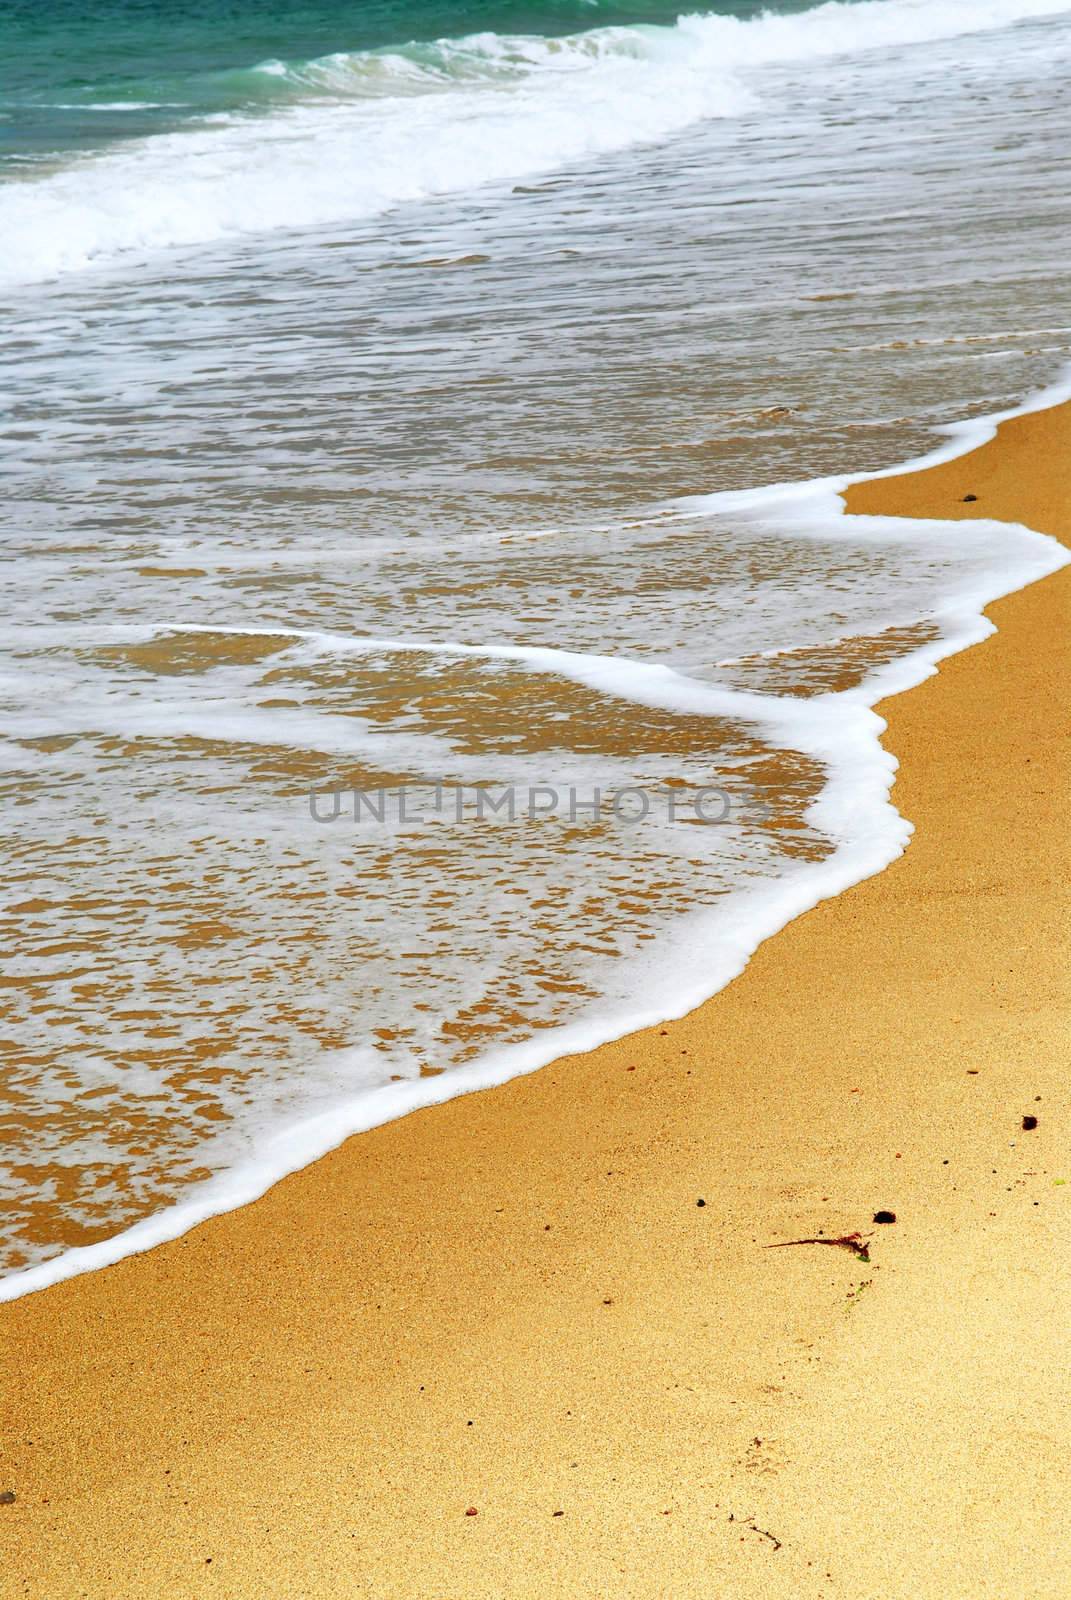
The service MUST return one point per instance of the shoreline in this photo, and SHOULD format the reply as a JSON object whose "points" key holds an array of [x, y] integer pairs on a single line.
{"points": [[513, 1302], [309, 1140]]}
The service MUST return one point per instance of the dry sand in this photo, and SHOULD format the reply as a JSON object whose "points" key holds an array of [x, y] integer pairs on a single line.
{"points": [[514, 1302]]}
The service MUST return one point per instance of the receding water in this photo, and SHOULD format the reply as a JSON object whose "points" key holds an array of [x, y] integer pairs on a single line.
{"points": [[360, 376]]}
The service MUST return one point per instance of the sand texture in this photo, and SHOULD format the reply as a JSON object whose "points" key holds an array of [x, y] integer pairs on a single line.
{"points": [[515, 1303]]}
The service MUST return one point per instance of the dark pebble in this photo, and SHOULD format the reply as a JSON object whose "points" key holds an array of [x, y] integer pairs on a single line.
{"points": [[7, 1498], [1030, 1122], [885, 1216], [968, 497], [700, 1202]]}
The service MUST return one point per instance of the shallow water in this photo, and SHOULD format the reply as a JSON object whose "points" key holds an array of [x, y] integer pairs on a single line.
{"points": [[403, 496]]}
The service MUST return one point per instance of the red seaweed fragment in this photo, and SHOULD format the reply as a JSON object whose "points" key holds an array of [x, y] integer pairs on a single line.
{"points": [[849, 1241]]}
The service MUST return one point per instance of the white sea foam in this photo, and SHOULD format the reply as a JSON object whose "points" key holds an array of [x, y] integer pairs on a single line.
{"points": [[354, 135], [698, 953]]}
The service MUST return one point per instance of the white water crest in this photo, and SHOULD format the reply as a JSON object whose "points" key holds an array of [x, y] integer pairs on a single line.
{"points": [[354, 135]]}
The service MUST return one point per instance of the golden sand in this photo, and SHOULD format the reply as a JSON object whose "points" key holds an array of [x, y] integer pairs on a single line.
{"points": [[515, 1305]]}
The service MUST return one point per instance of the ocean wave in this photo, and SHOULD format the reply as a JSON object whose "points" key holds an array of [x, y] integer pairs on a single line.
{"points": [[348, 136], [696, 43]]}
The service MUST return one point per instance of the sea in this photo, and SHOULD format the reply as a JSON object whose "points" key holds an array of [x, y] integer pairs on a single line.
{"points": [[432, 639]]}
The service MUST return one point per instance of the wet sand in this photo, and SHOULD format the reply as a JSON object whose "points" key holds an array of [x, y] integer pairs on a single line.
{"points": [[501, 1349]]}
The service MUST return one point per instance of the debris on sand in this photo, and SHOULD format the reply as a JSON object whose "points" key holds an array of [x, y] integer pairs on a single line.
{"points": [[848, 1241]]}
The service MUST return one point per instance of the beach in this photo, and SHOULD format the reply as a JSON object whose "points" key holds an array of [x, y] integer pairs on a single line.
{"points": [[533, 1341], [502, 480]]}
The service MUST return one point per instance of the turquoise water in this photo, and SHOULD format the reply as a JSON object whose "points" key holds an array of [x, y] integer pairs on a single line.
{"points": [[74, 76]]}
